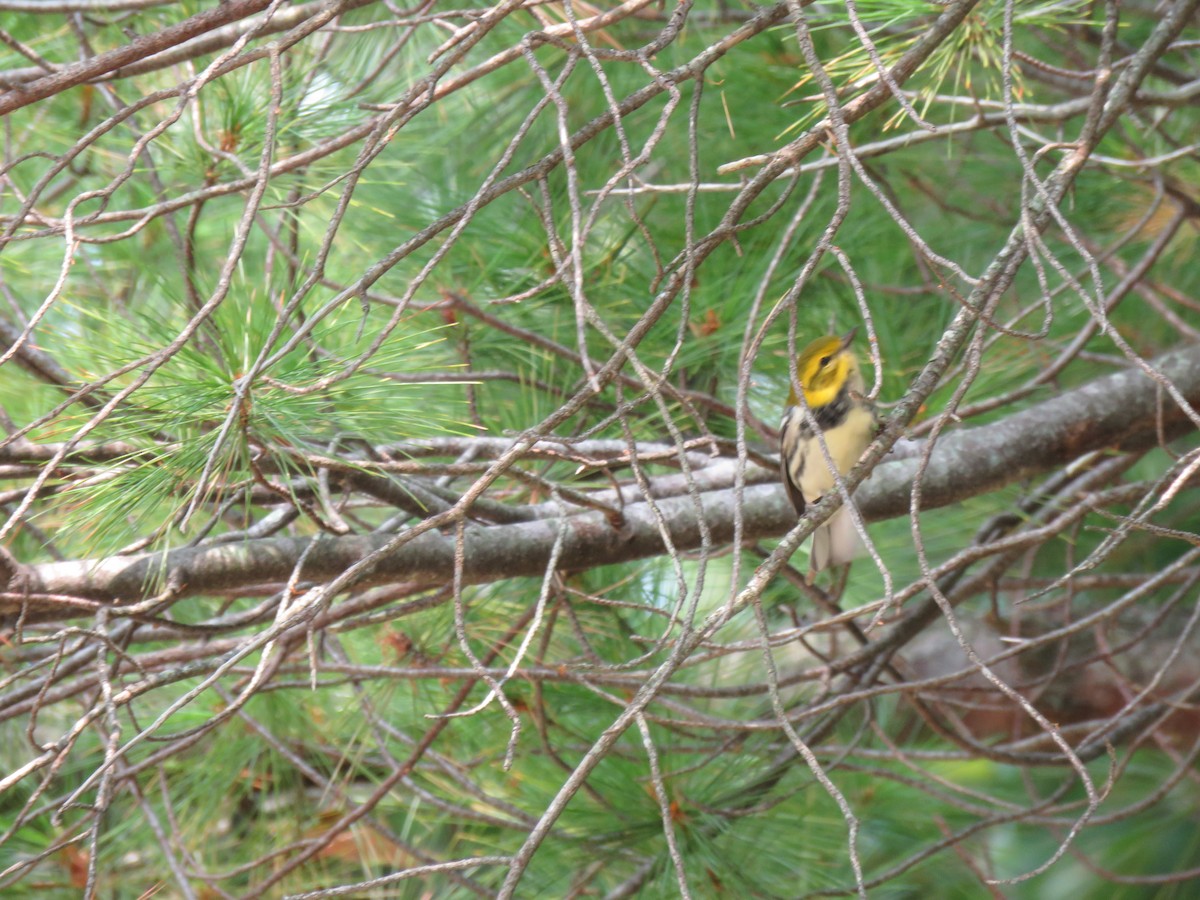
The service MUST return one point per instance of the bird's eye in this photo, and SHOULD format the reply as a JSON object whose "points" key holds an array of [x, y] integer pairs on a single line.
{"points": [[825, 361]]}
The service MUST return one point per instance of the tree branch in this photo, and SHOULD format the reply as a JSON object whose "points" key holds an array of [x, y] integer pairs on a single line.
{"points": [[1123, 411], [139, 48]]}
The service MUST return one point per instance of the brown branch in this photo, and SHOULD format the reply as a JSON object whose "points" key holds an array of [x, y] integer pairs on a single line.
{"points": [[139, 48], [1120, 411], [58, 7]]}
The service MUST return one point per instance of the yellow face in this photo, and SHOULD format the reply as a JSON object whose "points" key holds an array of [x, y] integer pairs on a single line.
{"points": [[823, 367]]}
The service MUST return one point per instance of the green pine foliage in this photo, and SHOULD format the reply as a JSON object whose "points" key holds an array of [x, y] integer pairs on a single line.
{"points": [[462, 337]]}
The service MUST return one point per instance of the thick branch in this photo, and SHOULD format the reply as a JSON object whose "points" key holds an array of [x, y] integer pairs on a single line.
{"points": [[1123, 411], [211, 41], [1126, 410], [138, 48]]}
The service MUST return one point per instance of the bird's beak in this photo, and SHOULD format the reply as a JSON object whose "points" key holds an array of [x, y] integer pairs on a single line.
{"points": [[848, 337]]}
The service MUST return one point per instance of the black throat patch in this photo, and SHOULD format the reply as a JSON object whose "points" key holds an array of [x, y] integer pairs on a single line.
{"points": [[832, 414]]}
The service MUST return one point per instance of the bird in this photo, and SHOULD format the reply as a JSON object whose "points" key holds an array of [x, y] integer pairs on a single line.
{"points": [[828, 373]]}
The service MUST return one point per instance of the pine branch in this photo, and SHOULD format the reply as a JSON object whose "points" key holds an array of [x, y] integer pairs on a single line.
{"points": [[139, 48], [1125, 411]]}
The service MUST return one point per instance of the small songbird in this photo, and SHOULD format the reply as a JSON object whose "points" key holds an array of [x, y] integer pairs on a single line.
{"points": [[833, 389]]}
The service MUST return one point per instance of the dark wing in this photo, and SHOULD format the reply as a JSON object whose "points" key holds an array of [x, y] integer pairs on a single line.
{"points": [[793, 491]]}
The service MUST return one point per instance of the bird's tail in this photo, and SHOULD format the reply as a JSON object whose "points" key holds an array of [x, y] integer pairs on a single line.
{"points": [[836, 542]]}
